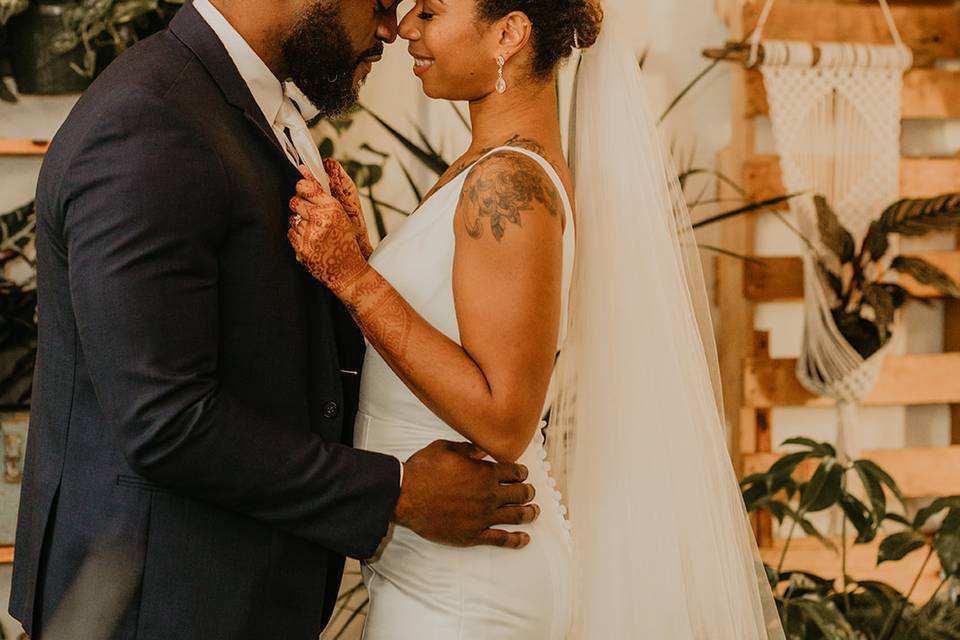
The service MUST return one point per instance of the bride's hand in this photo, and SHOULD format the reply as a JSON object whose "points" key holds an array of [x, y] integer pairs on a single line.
{"points": [[324, 240], [343, 189]]}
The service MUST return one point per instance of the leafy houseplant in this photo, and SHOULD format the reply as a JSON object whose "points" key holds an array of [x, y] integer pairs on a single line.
{"points": [[813, 607], [18, 303], [864, 302], [109, 27]]}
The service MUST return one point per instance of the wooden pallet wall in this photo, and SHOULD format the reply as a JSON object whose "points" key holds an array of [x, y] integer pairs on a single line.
{"points": [[754, 382]]}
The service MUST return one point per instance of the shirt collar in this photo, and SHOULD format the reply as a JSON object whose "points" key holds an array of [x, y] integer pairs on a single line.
{"points": [[267, 91]]}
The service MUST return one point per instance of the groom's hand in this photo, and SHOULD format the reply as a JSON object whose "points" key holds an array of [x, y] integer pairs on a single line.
{"points": [[450, 495]]}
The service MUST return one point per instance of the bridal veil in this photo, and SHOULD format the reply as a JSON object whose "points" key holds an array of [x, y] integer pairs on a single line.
{"points": [[664, 546]]}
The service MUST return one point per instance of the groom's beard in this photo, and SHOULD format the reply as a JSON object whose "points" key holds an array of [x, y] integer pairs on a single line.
{"points": [[321, 61]]}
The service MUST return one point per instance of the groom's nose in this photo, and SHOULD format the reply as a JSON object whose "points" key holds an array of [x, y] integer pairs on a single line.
{"points": [[387, 29]]}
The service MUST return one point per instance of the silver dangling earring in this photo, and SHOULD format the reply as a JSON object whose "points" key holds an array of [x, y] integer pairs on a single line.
{"points": [[501, 83]]}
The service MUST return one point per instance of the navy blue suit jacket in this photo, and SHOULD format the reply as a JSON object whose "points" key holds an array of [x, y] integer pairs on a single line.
{"points": [[187, 457]]}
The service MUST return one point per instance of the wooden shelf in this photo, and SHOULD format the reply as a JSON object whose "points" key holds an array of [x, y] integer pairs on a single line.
{"points": [[906, 380], [22, 147], [931, 94], [780, 278], [932, 31], [920, 473], [919, 177]]}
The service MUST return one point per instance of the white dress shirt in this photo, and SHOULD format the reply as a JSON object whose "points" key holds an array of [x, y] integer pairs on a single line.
{"points": [[268, 92]]}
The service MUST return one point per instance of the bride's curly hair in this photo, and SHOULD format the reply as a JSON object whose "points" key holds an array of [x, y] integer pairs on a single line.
{"points": [[559, 26]]}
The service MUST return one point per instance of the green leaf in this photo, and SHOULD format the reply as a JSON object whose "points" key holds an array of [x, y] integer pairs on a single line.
{"points": [[833, 234], [926, 273], [823, 449], [830, 279], [899, 545], [428, 158], [786, 465], [802, 582], [326, 148], [883, 477], [898, 294], [876, 244], [825, 616], [935, 507], [878, 499], [824, 489], [861, 517], [921, 216], [739, 211], [947, 544], [883, 307]]}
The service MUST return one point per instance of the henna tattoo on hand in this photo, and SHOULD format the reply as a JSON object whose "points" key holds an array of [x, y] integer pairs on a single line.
{"points": [[502, 190], [382, 313]]}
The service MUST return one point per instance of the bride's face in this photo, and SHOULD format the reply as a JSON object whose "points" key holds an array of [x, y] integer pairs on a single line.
{"points": [[454, 51]]}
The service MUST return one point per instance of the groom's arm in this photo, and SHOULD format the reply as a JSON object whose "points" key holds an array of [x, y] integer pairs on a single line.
{"points": [[144, 217]]}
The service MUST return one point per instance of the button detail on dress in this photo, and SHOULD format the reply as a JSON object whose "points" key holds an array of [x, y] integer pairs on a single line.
{"points": [[330, 410]]}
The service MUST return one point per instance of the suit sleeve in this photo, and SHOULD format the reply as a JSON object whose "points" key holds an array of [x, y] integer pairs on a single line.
{"points": [[146, 206]]}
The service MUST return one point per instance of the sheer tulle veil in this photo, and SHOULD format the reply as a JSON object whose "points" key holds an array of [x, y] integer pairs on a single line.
{"points": [[664, 548]]}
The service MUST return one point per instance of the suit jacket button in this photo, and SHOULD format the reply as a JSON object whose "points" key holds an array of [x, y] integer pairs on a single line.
{"points": [[331, 410]]}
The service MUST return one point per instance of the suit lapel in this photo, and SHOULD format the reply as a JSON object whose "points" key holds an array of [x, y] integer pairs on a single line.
{"points": [[194, 32], [345, 348]]}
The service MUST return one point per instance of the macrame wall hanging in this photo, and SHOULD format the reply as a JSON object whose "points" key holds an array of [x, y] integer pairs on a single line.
{"points": [[836, 111]]}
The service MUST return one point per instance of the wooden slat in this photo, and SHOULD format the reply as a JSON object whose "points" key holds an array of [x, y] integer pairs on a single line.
{"points": [[6, 555], [951, 342], [809, 554], [919, 177], [927, 94], [780, 278], [17, 147], [904, 380], [928, 30], [920, 473]]}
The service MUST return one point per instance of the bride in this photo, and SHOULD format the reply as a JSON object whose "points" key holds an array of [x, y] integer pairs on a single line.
{"points": [[466, 306]]}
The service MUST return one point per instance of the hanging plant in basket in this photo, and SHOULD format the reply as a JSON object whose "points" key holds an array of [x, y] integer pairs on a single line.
{"points": [[865, 300]]}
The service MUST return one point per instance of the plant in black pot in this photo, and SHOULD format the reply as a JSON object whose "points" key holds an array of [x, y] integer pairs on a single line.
{"points": [[864, 300], [59, 46]]}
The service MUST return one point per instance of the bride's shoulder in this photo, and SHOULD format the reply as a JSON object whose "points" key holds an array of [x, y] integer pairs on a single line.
{"points": [[504, 187]]}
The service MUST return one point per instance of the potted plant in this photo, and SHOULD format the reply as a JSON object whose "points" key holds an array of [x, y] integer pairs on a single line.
{"points": [[59, 46], [841, 607]]}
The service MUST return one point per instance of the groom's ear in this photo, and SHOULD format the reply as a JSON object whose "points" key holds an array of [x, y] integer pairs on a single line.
{"points": [[516, 31]]}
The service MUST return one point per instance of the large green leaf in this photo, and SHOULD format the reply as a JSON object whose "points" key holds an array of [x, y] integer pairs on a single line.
{"points": [[427, 157], [935, 507], [860, 516], [899, 545], [926, 273], [825, 616], [874, 470], [947, 543], [834, 236], [824, 489], [876, 243], [921, 216], [878, 499], [822, 449], [880, 300]]}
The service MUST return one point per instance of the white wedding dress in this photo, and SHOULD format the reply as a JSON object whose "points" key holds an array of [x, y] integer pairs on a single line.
{"points": [[420, 590]]}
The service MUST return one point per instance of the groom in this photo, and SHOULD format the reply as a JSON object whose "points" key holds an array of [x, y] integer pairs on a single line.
{"points": [[187, 474]]}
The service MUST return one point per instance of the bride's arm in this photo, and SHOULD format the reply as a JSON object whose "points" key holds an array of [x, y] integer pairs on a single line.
{"points": [[506, 282]]}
